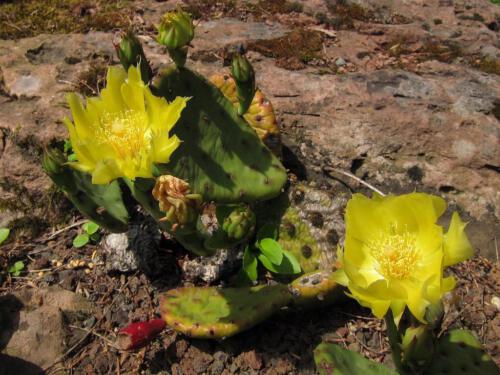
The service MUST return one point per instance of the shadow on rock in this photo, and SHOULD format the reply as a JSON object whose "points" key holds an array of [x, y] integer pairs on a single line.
{"points": [[10, 307], [13, 365]]}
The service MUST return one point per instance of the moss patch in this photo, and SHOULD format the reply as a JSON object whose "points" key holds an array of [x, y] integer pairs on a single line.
{"points": [[431, 49], [25, 18], [487, 65], [345, 13], [206, 9], [292, 50]]}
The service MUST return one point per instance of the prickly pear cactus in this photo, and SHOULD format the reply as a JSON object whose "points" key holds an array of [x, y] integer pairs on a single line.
{"points": [[459, 352], [218, 313], [331, 359], [220, 156], [210, 312], [260, 115], [102, 204]]}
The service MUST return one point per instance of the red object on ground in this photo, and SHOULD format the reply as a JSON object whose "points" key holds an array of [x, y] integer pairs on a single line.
{"points": [[139, 334]]}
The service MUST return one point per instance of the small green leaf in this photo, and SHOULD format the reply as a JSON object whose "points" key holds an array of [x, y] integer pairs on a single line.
{"points": [[16, 268], [272, 250], [95, 237], [72, 157], [67, 146], [90, 227], [289, 265], [250, 264], [81, 240], [4, 234], [268, 230]]}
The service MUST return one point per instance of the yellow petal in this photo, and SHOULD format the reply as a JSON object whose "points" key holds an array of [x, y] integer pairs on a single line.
{"points": [[105, 171], [397, 308], [84, 156], [340, 277], [133, 90], [163, 147], [416, 303], [112, 95], [171, 114], [82, 122], [457, 247]]}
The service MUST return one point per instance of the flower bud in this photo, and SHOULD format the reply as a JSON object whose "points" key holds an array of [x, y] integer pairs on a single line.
{"points": [[240, 223], [242, 70], [52, 161], [176, 29], [175, 199], [244, 76], [130, 52]]}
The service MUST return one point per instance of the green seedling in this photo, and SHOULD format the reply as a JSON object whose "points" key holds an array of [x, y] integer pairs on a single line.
{"points": [[270, 254], [90, 234], [16, 268], [4, 234], [68, 150]]}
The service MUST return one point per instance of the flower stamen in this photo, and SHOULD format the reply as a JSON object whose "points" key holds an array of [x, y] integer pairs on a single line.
{"points": [[396, 253]]}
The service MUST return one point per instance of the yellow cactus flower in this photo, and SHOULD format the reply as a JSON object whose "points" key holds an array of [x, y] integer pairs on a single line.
{"points": [[125, 130], [394, 252]]}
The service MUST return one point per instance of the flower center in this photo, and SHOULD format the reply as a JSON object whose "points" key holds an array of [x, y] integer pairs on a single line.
{"points": [[396, 253], [127, 132]]}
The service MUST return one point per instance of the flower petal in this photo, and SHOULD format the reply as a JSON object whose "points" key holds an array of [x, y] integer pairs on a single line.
{"points": [[457, 247]]}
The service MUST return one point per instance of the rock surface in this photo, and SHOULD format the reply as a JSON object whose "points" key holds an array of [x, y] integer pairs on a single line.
{"points": [[394, 95], [34, 325]]}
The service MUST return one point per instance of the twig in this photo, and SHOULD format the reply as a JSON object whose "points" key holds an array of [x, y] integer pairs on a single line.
{"points": [[80, 222], [105, 339], [356, 178], [61, 357], [496, 247]]}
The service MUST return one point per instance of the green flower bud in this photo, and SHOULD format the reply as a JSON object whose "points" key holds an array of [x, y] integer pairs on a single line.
{"points": [[53, 161], [244, 76], [242, 70], [239, 224], [130, 52], [176, 29]]}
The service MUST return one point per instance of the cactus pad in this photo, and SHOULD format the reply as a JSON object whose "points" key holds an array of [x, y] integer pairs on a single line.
{"points": [[459, 352], [210, 312], [331, 359], [220, 156], [102, 204], [295, 236], [260, 115], [316, 288], [218, 313]]}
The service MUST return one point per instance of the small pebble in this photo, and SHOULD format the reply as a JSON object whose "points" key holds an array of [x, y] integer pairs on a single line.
{"points": [[40, 274], [87, 271], [496, 301], [90, 265], [340, 62]]}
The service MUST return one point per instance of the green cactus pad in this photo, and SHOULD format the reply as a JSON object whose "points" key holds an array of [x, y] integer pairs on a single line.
{"points": [[331, 359], [209, 312], [459, 352], [220, 156], [295, 236], [102, 204], [316, 288]]}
